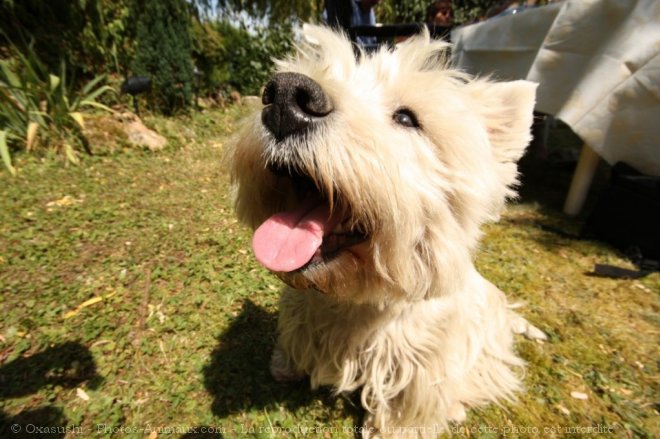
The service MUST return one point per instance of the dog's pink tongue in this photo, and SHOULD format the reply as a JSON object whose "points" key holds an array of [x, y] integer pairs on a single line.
{"points": [[288, 240]]}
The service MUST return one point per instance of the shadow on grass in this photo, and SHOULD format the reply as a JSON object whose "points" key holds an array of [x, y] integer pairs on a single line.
{"points": [[65, 365], [547, 170], [545, 182], [238, 375]]}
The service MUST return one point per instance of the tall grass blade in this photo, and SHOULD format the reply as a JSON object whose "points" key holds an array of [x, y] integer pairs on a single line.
{"points": [[9, 75], [54, 82], [70, 154], [78, 117], [31, 135], [96, 93], [90, 85], [98, 105], [4, 152]]}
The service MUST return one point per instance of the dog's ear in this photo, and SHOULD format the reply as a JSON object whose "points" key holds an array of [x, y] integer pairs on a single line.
{"points": [[508, 112]]}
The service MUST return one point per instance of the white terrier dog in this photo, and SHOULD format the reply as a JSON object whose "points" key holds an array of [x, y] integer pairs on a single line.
{"points": [[367, 181]]}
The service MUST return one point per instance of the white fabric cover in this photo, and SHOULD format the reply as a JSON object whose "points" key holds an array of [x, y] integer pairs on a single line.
{"points": [[597, 63]]}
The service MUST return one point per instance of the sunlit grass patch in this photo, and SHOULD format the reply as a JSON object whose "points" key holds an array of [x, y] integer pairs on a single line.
{"points": [[131, 303]]}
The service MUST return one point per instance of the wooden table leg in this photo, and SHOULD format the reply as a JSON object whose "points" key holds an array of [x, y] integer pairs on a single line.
{"points": [[584, 174]]}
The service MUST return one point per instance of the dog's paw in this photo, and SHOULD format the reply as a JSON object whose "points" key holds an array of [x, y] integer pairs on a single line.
{"points": [[281, 369], [368, 430], [521, 326], [456, 413]]}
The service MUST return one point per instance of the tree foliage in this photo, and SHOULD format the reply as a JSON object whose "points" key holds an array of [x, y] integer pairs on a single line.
{"points": [[249, 55], [467, 11], [91, 36], [414, 11], [411, 11], [230, 42], [210, 56], [388, 11], [277, 10]]}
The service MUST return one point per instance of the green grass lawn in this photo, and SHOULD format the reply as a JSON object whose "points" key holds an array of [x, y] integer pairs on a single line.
{"points": [[132, 307]]}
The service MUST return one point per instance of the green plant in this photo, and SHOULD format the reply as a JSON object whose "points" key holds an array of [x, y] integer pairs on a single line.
{"points": [[414, 11], [164, 52], [92, 36], [37, 103], [209, 52], [467, 11], [249, 54], [390, 11], [276, 10]]}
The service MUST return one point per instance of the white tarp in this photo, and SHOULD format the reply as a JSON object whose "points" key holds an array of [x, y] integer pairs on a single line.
{"points": [[597, 63]]}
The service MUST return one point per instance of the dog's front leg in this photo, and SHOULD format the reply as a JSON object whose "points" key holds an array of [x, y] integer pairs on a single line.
{"points": [[282, 368], [521, 326], [288, 362]]}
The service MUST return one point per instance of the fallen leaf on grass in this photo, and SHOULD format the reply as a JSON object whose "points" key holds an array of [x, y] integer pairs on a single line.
{"points": [[579, 395], [65, 201], [87, 303], [82, 394], [155, 311], [641, 287], [78, 117]]}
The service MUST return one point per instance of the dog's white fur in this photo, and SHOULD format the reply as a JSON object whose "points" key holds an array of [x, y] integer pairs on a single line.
{"points": [[404, 316]]}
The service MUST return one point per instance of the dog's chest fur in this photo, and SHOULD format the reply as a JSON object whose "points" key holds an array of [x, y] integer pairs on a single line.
{"points": [[381, 348]]}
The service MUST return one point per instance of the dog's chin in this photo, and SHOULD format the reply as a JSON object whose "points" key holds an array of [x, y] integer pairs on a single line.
{"points": [[334, 273]]}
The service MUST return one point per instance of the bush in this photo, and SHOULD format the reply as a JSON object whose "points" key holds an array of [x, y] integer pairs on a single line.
{"points": [[391, 11], [414, 11], [91, 36], [210, 55], [164, 52], [249, 54], [35, 103]]}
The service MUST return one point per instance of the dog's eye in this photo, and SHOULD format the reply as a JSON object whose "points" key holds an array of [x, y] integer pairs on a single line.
{"points": [[405, 117]]}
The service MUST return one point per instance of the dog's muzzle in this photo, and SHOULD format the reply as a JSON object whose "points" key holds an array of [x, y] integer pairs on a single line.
{"points": [[295, 103]]}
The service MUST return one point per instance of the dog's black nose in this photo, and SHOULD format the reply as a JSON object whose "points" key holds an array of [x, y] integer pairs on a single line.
{"points": [[294, 103]]}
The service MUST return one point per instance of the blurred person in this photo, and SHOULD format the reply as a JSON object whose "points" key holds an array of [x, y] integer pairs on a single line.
{"points": [[440, 13]]}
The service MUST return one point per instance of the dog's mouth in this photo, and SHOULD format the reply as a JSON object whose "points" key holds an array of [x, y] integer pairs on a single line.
{"points": [[311, 233]]}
